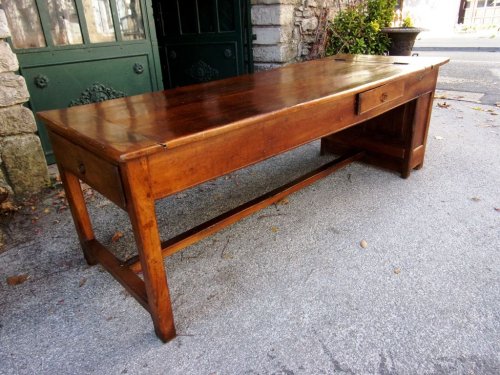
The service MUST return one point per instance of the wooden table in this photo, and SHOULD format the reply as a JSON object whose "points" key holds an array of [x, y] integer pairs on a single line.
{"points": [[138, 149]]}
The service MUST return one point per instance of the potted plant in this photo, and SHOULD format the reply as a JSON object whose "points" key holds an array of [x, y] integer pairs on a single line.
{"points": [[402, 37], [364, 27], [356, 28]]}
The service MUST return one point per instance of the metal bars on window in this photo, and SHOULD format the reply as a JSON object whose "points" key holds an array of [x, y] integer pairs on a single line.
{"points": [[203, 16]]}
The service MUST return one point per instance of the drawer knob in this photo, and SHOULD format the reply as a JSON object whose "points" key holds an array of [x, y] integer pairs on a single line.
{"points": [[81, 168], [383, 97]]}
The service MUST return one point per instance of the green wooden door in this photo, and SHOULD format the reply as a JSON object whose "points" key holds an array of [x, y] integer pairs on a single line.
{"points": [[203, 40], [80, 51]]}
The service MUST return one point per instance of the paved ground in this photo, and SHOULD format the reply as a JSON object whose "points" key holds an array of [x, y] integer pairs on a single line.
{"points": [[288, 290], [473, 76], [473, 73], [476, 75]]}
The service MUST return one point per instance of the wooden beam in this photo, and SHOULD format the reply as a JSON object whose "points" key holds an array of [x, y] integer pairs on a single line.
{"points": [[132, 283], [201, 231]]}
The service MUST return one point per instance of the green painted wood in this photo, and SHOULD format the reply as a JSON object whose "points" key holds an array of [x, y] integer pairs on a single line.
{"points": [[58, 76], [116, 21], [203, 40]]}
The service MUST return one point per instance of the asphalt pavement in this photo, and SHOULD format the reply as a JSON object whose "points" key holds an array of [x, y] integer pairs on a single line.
{"points": [[288, 290], [470, 76], [473, 73]]}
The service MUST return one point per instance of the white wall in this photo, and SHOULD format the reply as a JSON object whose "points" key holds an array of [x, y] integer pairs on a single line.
{"points": [[439, 17]]}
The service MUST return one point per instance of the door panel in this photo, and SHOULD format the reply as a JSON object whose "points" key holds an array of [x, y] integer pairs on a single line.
{"points": [[202, 62], [63, 85], [83, 51], [202, 40]]}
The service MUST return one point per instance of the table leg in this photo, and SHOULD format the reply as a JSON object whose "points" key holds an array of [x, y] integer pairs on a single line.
{"points": [[418, 136], [79, 212], [393, 140], [141, 209]]}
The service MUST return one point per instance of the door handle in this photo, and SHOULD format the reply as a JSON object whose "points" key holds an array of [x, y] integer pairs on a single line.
{"points": [[138, 68], [41, 81]]}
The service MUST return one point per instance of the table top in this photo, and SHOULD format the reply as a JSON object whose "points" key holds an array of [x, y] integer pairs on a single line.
{"points": [[125, 128]]}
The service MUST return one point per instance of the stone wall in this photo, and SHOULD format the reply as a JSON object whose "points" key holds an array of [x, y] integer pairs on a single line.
{"points": [[286, 30], [22, 163]]}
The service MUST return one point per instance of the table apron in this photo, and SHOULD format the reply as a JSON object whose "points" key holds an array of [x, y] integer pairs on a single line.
{"points": [[103, 176], [186, 166]]}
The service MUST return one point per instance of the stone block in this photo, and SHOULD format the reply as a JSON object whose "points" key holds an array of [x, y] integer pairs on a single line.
{"points": [[5, 184], [307, 13], [24, 163], [287, 14], [272, 35], [310, 24], [271, 2], [2, 239], [309, 38], [282, 53], [267, 35], [4, 28], [272, 15], [16, 120], [8, 60], [262, 67], [13, 90]]}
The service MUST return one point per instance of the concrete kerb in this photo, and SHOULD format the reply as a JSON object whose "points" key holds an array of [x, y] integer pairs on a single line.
{"points": [[480, 41], [458, 49]]}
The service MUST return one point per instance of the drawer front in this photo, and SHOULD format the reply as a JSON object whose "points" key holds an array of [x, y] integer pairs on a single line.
{"points": [[371, 99], [99, 174]]}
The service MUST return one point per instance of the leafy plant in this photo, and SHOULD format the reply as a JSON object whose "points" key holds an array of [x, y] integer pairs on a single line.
{"points": [[407, 22], [381, 11], [356, 28]]}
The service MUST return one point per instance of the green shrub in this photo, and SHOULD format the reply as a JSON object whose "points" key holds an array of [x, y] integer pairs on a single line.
{"points": [[381, 11], [356, 29]]}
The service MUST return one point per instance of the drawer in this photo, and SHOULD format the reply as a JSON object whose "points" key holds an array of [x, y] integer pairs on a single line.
{"points": [[96, 172], [371, 99]]}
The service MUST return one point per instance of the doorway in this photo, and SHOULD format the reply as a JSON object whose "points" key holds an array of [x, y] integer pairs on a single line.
{"points": [[203, 40]]}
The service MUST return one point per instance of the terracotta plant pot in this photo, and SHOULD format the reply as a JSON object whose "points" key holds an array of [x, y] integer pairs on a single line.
{"points": [[402, 39]]}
